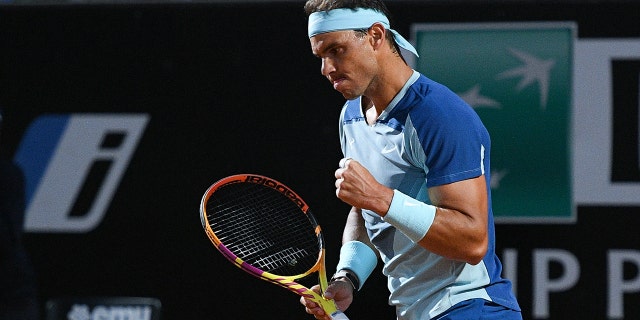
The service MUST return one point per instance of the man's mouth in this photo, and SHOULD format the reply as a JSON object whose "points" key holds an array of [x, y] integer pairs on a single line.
{"points": [[336, 83]]}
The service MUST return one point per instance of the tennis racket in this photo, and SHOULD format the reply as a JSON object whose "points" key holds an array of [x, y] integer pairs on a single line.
{"points": [[266, 229]]}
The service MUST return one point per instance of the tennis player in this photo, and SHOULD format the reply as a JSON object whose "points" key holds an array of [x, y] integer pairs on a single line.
{"points": [[416, 173]]}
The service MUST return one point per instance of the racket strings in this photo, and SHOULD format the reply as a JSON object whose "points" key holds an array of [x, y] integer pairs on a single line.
{"points": [[264, 228]]}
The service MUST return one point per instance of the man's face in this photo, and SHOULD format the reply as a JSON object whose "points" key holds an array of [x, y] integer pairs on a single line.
{"points": [[348, 61]]}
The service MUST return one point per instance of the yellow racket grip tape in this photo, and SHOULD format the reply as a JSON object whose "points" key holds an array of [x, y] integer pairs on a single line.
{"points": [[330, 308]]}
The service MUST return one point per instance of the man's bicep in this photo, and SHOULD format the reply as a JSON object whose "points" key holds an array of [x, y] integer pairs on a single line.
{"points": [[467, 196]]}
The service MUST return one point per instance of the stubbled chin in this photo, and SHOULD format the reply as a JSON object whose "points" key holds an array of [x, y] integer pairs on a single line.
{"points": [[346, 93], [349, 95]]}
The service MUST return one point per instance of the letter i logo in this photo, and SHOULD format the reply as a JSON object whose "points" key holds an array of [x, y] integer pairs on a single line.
{"points": [[73, 165]]}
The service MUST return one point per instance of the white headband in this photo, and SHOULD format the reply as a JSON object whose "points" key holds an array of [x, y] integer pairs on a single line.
{"points": [[350, 19]]}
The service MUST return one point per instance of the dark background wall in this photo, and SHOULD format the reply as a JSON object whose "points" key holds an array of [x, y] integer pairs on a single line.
{"points": [[230, 88]]}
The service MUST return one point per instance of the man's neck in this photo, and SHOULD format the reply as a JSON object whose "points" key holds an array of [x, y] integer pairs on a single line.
{"points": [[386, 87]]}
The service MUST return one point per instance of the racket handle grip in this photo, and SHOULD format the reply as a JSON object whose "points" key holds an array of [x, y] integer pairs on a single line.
{"points": [[338, 315]]}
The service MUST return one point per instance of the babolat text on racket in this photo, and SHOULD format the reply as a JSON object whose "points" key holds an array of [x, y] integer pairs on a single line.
{"points": [[267, 230]]}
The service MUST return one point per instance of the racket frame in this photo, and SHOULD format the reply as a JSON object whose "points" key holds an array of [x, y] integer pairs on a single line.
{"points": [[287, 282]]}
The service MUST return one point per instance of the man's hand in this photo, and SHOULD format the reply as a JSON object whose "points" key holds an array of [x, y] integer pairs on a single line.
{"points": [[340, 291], [356, 186]]}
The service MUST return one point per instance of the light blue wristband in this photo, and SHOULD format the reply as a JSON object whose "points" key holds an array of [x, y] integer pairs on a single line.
{"points": [[359, 258], [410, 216]]}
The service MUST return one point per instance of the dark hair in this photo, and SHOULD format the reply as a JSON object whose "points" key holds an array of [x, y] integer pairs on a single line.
{"points": [[312, 6]]}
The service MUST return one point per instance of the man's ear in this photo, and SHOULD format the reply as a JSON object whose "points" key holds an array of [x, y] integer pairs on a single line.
{"points": [[377, 35]]}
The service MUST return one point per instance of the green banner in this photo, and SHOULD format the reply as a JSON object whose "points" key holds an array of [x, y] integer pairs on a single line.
{"points": [[517, 77]]}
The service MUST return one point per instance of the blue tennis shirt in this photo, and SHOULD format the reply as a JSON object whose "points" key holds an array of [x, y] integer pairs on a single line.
{"points": [[426, 137]]}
